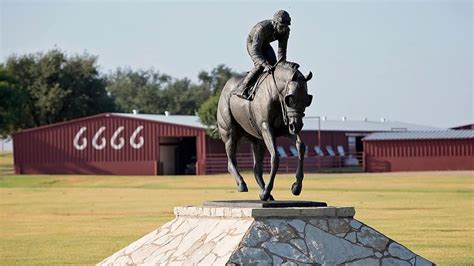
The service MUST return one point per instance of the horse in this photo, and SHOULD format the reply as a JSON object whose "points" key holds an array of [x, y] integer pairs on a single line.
{"points": [[277, 109]]}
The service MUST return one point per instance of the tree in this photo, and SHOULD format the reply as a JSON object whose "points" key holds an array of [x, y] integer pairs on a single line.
{"points": [[215, 81], [183, 97], [58, 87], [12, 102], [151, 92], [207, 115], [140, 90]]}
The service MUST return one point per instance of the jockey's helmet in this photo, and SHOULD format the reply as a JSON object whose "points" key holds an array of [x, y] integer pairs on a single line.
{"points": [[281, 16]]}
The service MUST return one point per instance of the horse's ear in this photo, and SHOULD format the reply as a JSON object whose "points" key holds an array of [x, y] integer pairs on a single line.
{"points": [[310, 99], [309, 76]]}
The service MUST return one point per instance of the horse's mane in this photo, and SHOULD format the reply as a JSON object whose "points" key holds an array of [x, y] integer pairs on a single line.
{"points": [[292, 71]]}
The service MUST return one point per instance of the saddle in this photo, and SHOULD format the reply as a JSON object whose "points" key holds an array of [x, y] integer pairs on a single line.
{"points": [[252, 85], [259, 77]]}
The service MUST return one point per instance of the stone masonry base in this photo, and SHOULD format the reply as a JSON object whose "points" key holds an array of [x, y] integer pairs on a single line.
{"points": [[265, 236]]}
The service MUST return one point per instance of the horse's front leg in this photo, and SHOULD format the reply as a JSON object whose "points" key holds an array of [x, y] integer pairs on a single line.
{"points": [[270, 142], [301, 147]]}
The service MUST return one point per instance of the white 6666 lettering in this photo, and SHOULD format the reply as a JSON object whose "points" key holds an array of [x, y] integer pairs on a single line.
{"points": [[117, 141]]}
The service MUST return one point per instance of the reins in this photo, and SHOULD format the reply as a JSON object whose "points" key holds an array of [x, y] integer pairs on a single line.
{"points": [[281, 98]]}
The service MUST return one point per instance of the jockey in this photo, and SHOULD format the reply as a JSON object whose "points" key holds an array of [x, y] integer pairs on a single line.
{"points": [[260, 50]]}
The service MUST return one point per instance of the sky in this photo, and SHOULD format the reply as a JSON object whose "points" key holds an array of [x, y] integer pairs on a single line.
{"points": [[407, 61]]}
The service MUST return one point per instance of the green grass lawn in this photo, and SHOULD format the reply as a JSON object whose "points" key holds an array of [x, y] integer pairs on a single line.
{"points": [[83, 219]]}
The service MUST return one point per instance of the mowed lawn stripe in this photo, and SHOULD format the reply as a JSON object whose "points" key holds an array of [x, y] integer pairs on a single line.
{"points": [[56, 219]]}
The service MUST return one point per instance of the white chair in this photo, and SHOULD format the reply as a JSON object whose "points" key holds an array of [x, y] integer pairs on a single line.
{"points": [[293, 151], [340, 151], [318, 151], [281, 152], [330, 151]]}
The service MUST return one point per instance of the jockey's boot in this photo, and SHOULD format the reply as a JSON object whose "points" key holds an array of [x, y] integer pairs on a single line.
{"points": [[242, 90]]}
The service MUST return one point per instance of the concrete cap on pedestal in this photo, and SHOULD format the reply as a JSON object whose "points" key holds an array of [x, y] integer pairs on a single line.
{"points": [[255, 209]]}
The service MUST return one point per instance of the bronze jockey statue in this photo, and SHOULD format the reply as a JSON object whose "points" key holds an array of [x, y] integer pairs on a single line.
{"points": [[260, 50]]}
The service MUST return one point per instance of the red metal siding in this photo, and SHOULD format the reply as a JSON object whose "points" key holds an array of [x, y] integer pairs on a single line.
{"points": [[102, 144], [310, 138], [217, 163], [420, 155]]}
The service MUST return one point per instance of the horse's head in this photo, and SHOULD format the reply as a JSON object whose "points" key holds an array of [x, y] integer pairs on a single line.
{"points": [[296, 99]]}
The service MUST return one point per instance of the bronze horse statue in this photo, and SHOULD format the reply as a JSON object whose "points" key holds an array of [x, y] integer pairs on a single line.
{"points": [[281, 97]]}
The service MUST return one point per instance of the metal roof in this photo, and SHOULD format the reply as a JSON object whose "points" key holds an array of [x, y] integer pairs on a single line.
{"points": [[360, 125], [184, 120], [417, 135], [310, 123]]}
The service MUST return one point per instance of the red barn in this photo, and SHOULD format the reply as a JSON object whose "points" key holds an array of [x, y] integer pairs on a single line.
{"points": [[419, 151], [110, 143]]}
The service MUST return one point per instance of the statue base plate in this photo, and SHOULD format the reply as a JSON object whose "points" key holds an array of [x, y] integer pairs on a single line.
{"points": [[264, 204]]}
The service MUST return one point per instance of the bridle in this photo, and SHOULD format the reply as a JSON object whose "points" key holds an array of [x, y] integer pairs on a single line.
{"points": [[284, 109], [281, 97]]}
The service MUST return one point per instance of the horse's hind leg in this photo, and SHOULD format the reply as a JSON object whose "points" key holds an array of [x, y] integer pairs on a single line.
{"points": [[258, 149], [231, 149]]}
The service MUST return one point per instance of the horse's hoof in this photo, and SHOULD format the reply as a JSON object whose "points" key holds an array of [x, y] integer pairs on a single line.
{"points": [[264, 196], [296, 188], [243, 188], [271, 198]]}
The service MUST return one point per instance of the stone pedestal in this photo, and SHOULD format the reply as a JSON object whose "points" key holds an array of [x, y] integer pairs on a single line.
{"points": [[219, 235]]}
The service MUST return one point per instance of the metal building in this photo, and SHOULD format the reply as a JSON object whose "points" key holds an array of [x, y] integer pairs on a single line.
{"points": [[419, 151], [113, 143], [465, 126], [330, 144]]}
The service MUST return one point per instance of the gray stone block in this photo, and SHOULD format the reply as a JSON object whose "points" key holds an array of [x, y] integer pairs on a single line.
{"points": [[286, 251], [338, 226], [300, 244], [255, 236], [364, 262], [320, 223], [277, 260], [355, 224], [325, 248], [345, 212], [399, 251], [248, 256], [394, 262], [351, 237], [371, 238], [319, 212], [286, 212], [281, 230], [420, 261], [298, 225]]}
